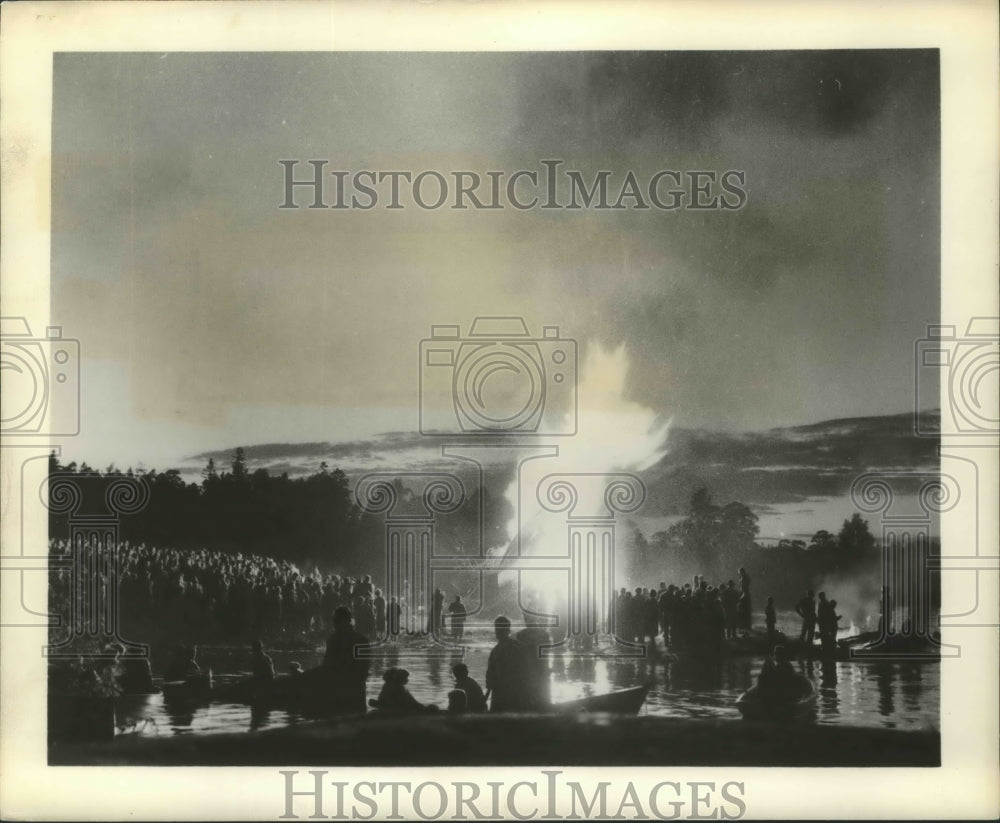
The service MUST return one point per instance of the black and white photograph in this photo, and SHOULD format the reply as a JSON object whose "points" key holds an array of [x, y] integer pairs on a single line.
{"points": [[407, 408]]}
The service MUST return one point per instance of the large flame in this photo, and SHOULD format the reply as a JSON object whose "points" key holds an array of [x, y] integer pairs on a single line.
{"points": [[614, 434]]}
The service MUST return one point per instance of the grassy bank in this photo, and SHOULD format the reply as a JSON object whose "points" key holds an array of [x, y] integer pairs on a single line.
{"points": [[485, 740]]}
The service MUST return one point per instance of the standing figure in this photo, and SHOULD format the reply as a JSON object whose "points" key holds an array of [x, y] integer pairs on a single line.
{"points": [[380, 605], [437, 615], [395, 615], [506, 670], [770, 619], [806, 609], [457, 612], [346, 672], [261, 665], [743, 605], [822, 618]]}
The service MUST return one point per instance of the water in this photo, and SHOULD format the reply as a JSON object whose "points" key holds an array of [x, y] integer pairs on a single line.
{"points": [[890, 695]]}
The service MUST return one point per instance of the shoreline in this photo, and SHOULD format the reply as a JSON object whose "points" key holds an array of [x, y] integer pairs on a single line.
{"points": [[521, 740]]}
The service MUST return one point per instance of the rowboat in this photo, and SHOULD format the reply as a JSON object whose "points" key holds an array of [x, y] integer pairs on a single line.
{"points": [[625, 701], [196, 687], [287, 692], [798, 702]]}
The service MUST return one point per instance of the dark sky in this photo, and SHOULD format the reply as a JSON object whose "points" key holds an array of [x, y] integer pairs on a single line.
{"points": [[208, 317]]}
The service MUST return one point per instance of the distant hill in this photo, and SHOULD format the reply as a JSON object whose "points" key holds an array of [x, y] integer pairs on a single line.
{"points": [[762, 469]]}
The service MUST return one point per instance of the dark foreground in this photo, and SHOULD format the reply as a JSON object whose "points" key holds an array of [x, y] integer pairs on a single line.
{"points": [[507, 740]]}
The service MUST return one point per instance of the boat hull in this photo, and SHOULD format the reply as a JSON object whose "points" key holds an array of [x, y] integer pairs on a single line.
{"points": [[753, 705]]}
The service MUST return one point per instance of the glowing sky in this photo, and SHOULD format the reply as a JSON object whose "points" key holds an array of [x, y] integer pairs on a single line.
{"points": [[209, 318]]}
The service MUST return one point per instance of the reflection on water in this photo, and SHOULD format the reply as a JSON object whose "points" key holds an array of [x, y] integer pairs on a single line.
{"points": [[893, 695]]}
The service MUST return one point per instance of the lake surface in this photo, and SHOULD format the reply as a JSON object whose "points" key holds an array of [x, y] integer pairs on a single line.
{"points": [[897, 695]]}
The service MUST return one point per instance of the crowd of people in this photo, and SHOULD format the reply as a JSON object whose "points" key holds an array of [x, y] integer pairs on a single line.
{"points": [[517, 677], [233, 598], [696, 615]]}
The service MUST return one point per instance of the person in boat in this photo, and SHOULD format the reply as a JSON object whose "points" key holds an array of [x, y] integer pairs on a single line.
{"points": [[183, 666], [344, 670], [476, 702], [457, 612], [458, 702], [770, 619], [395, 697], [506, 670], [261, 665], [806, 609], [134, 674], [778, 681]]}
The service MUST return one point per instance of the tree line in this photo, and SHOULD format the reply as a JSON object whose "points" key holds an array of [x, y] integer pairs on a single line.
{"points": [[716, 540], [304, 519], [315, 520]]}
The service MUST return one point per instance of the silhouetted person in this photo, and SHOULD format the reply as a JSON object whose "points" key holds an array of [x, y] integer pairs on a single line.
{"points": [[457, 612], [778, 681], [395, 613], [183, 665], [743, 605], [665, 606], [437, 619], [380, 607], [261, 665], [650, 618], [476, 698], [458, 702], [806, 609], [828, 627], [730, 600], [505, 670], [822, 617], [770, 619], [395, 697], [344, 670], [133, 673]]}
